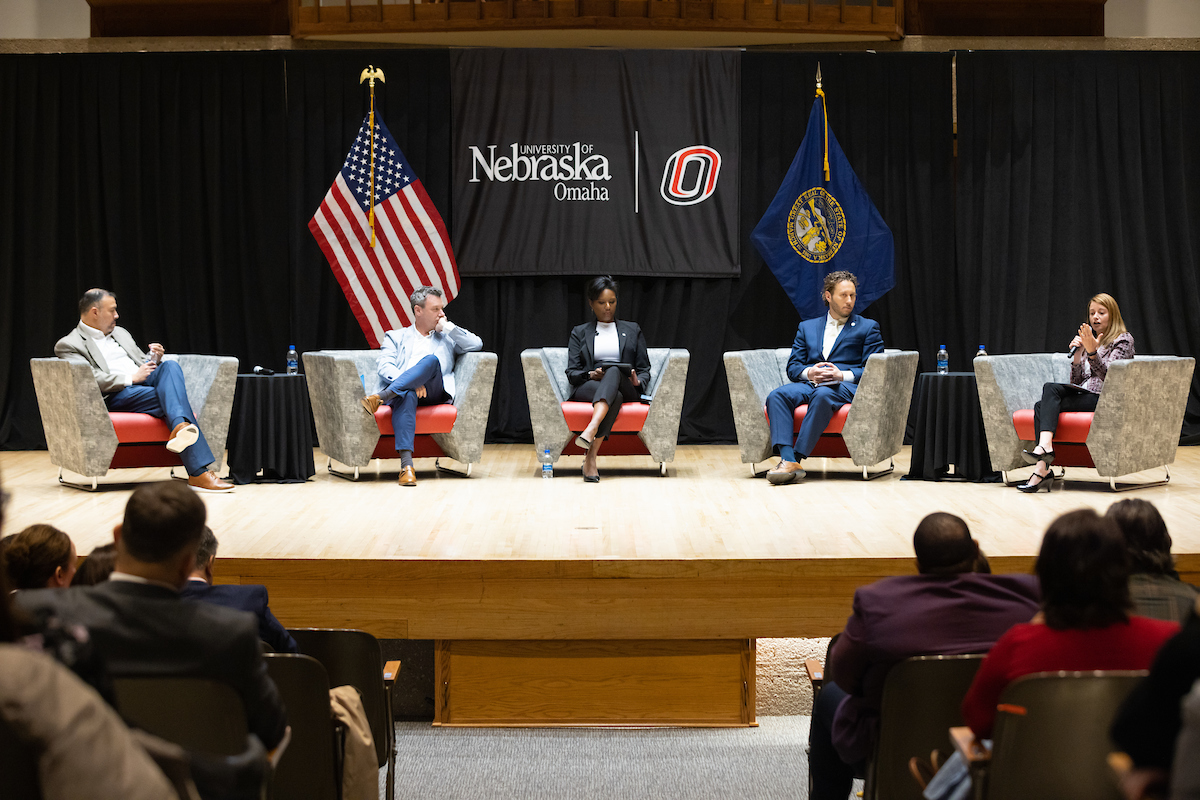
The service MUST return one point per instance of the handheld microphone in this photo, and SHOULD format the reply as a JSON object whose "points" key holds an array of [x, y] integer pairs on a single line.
{"points": [[1075, 349], [263, 371]]}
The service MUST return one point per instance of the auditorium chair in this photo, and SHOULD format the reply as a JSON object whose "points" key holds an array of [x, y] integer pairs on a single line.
{"points": [[1135, 426], [339, 379], [640, 429], [1050, 740], [87, 439], [869, 430], [311, 766]]}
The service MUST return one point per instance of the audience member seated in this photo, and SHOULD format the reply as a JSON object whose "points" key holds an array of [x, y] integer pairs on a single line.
{"points": [[249, 597], [97, 566], [953, 606], [1085, 623], [1154, 584], [1148, 723], [40, 557], [140, 624]]}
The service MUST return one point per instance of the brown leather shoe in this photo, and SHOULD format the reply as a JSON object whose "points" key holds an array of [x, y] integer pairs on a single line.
{"points": [[183, 437], [785, 472], [209, 482], [408, 477], [371, 403]]}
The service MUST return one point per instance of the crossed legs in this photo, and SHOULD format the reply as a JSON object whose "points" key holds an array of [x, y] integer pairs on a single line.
{"points": [[782, 403], [606, 396]]}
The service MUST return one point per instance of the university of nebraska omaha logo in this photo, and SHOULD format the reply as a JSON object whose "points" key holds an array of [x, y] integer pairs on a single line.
{"points": [[691, 175]]}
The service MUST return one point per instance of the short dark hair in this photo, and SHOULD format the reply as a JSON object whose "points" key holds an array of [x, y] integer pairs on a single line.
{"points": [[833, 279], [418, 297], [1084, 572], [33, 555], [944, 546], [207, 547], [92, 297], [1146, 539], [596, 286], [98, 565], [162, 520]]}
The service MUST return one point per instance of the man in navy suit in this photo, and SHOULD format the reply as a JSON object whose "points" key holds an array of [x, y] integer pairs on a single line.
{"points": [[827, 361], [248, 597]]}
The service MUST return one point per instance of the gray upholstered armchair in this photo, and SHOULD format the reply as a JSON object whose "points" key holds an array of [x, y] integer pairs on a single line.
{"points": [[871, 427], [88, 440], [337, 382], [639, 430], [1135, 427]]}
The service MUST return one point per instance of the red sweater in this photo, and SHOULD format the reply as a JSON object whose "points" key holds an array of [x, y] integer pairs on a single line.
{"points": [[1034, 647]]}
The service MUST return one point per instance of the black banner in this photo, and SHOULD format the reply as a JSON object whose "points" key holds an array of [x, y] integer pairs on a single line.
{"points": [[587, 162]]}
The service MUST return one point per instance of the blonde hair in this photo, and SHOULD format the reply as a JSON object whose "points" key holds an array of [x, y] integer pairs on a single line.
{"points": [[1116, 325]]}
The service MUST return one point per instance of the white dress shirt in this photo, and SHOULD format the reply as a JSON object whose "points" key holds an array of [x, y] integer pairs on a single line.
{"points": [[832, 329], [118, 360], [607, 346]]}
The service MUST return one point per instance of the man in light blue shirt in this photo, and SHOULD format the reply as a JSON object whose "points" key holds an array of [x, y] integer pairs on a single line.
{"points": [[417, 369]]}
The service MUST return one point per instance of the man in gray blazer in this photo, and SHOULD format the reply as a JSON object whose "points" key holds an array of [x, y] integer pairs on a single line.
{"points": [[133, 380], [143, 628]]}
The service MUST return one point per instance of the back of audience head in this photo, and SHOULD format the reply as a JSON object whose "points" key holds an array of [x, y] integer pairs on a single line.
{"points": [[40, 557], [1146, 539], [1083, 568], [944, 546], [157, 538], [206, 554], [97, 566]]}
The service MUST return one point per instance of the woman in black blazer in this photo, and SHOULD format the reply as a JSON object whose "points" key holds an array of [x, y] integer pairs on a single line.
{"points": [[593, 346]]}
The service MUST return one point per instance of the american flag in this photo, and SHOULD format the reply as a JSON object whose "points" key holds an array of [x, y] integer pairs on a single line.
{"points": [[411, 245]]}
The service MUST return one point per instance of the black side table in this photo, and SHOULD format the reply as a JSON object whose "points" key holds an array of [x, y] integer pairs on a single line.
{"points": [[949, 430], [270, 430]]}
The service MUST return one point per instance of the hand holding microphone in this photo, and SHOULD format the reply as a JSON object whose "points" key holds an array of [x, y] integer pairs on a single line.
{"points": [[1086, 339]]}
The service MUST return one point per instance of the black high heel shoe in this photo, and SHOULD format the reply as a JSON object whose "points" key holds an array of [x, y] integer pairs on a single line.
{"points": [[1032, 458], [1029, 487]]}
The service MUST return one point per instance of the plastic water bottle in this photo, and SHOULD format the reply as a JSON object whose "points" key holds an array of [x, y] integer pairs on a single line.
{"points": [[547, 464], [943, 361], [981, 352], [293, 360]]}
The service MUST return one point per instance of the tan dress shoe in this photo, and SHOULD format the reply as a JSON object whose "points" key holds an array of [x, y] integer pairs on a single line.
{"points": [[183, 437], [371, 403], [785, 472], [209, 482], [408, 477]]}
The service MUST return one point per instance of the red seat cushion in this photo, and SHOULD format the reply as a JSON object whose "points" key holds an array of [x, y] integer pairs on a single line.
{"points": [[630, 418], [836, 422], [430, 419], [1073, 426], [134, 428]]}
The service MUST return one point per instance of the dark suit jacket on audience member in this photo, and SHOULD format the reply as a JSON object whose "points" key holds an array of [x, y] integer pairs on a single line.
{"points": [[581, 354], [149, 631], [250, 597], [913, 615]]}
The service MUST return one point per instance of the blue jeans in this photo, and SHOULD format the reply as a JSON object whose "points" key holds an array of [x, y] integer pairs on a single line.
{"points": [[164, 395], [822, 402], [401, 395]]}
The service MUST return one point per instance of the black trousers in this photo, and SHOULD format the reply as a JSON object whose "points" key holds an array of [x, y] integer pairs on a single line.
{"points": [[613, 388], [1058, 397]]}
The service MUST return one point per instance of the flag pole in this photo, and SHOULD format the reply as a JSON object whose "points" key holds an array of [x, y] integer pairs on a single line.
{"points": [[370, 74], [825, 116]]}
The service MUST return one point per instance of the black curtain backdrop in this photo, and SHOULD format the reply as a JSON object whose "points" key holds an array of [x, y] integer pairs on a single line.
{"points": [[1079, 173], [184, 182]]}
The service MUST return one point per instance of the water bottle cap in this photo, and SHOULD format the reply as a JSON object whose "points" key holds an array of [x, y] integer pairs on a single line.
{"points": [[980, 347], [942, 346]]}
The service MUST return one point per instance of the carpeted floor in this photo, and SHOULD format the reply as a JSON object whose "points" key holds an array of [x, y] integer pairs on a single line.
{"points": [[502, 763]]}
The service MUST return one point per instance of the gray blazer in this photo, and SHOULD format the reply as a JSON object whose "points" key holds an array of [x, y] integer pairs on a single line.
{"points": [[150, 631], [77, 347]]}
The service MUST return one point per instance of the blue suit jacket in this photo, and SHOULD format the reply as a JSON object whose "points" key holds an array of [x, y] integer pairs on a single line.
{"points": [[249, 597], [859, 340]]}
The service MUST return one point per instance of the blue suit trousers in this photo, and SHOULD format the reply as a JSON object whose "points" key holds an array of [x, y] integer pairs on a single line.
{"points": [[822, 402], [401, 395], [163, 394]]}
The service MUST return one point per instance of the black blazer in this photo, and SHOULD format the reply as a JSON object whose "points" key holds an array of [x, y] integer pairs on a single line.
{"points": [[149, 631], [581, 356], [245, 597]]}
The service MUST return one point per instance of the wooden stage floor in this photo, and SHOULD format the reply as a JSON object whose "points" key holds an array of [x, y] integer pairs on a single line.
{"points": [[707, 552]]}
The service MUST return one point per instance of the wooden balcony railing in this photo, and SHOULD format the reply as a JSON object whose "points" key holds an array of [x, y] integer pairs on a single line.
{"points": [[837, 17]]}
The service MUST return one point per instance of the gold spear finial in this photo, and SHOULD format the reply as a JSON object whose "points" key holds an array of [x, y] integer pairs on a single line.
{"points": [[370, 74], [818, 74]]}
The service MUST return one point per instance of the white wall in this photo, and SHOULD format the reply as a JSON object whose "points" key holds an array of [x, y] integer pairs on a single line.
{"points": [[44, 19], [1156, 18]]}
